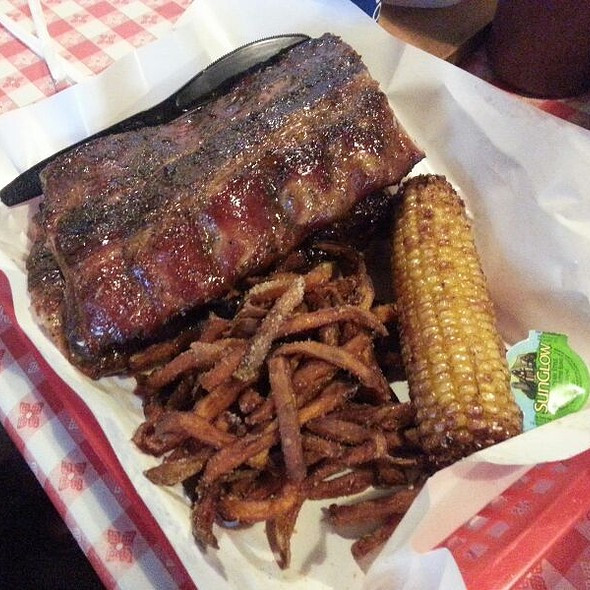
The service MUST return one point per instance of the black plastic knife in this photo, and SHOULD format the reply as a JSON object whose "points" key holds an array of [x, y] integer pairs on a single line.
{"points": [[203, 87]]}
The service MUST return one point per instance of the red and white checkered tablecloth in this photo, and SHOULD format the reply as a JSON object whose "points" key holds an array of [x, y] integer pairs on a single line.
{"points": [[70, 456], [53, 430], [91, 34]]}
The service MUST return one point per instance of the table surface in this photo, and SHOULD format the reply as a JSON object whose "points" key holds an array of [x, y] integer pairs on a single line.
{"points": [[458, 34], [92, 34], [450, 33]]}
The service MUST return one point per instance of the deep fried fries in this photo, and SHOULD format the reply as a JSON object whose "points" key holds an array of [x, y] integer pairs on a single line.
{"points": [[191, 425], [248, 511], [279, 530], [270, 327], [283, 403], [284, 396], [369, 376], [371, 541], [348, 484], [372, 510]]}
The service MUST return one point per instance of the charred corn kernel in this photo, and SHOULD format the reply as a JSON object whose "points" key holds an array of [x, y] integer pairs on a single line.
{"points": [[454, 357]]}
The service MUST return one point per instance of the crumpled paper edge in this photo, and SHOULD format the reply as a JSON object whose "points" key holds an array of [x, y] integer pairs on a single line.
{"points": [[407, 96]]}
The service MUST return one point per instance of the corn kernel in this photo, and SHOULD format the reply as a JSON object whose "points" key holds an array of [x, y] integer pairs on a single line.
{"points": [[453, 354]]}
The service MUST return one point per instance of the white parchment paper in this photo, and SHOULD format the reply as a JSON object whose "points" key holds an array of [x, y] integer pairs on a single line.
{"points": [[524, 176]]}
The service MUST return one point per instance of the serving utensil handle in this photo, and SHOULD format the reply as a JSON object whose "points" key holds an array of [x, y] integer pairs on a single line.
{"points": [[198, 90]]}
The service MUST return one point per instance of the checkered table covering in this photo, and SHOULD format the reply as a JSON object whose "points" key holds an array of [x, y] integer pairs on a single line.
{"points": [[56, 437], [64, 446], [53, 430], [91, 34]]}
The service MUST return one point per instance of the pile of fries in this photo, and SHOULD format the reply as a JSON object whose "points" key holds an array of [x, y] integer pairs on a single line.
{"points": [[287, 400]]}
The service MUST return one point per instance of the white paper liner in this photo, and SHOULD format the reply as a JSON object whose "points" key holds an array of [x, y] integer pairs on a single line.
{"points": [[523, 175]]}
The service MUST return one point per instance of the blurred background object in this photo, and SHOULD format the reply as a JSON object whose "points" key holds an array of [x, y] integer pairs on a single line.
{"points": [[450, 32], [422, 3], [371, 7], [542, 47]]}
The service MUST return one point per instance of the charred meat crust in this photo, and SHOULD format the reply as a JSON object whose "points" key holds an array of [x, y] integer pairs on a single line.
{"points": [[147, 225]]}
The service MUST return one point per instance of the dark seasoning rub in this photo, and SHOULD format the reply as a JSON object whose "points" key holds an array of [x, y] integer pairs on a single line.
{"points": [[138, 229]]}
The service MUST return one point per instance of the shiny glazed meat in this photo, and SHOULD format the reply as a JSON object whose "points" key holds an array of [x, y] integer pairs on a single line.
{"points": [[147, 225]]}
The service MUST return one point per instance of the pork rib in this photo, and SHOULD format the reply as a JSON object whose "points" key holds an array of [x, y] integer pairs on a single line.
{"points": [[147, 225]]}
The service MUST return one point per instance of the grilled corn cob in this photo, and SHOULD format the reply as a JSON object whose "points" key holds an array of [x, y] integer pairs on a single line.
{"points": [[454, 357]]}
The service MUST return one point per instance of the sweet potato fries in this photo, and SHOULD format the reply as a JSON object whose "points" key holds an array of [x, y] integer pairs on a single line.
{"points": [[284, 401]]}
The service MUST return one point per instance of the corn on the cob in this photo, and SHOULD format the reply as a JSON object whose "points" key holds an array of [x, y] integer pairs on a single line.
{"points": [[454, 357]]}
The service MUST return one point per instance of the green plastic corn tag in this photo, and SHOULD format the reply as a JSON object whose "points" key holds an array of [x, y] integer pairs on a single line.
{"points": [[548, 379]]}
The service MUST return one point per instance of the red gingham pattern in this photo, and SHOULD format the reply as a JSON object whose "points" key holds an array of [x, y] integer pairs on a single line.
{"points": [[71, 458], [81, 474], [91, 34], [499, 549]]}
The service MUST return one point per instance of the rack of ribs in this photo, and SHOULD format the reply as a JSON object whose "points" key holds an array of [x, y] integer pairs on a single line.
{"points": [[138, 229]]}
